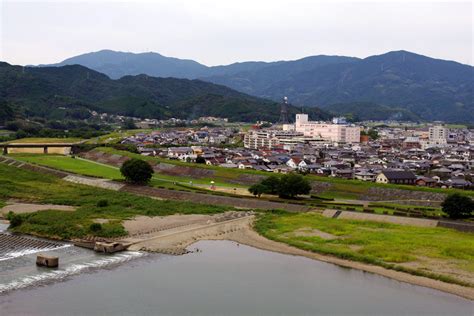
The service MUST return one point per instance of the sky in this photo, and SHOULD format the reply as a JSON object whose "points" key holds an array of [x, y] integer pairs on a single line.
{"points": [[216, 32]]}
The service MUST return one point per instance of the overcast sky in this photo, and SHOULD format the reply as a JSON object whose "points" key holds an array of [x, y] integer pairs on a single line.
{"points": [[222, 32]]}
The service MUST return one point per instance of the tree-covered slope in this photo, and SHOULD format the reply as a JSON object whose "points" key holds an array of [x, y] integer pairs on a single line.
{"points": [[430, 88], [43, 91]]}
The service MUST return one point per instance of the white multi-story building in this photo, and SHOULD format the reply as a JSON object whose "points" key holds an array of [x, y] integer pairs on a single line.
{"points": [[339, 133], [437, 137], [270, 139]]}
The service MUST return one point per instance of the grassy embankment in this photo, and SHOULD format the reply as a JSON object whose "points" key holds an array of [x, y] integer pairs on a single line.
{"points": [[340, 188], [90, 168], [73, 165], [437, 253], [34, 187]]}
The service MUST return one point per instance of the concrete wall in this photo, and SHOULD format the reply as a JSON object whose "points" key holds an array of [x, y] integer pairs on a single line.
{"points": [[59, 150], [25, 150], [66, 150]]}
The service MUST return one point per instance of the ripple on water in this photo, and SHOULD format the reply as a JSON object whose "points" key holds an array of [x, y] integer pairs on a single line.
{"points": [[68, 271]]}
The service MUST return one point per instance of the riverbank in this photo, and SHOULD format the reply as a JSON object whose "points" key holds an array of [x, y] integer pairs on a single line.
{"points": [[240, 230], [249, 237], [232, 274]]}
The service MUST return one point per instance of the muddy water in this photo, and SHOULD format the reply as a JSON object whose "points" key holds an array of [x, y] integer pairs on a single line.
{"points": [[222, 279]]}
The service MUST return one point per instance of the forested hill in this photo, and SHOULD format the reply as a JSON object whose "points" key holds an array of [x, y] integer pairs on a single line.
{"points": [[49, 91], [431, 89], [420, 86]]}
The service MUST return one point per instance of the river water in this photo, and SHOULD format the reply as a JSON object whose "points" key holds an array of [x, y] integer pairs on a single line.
{"points": [[224, 278]]}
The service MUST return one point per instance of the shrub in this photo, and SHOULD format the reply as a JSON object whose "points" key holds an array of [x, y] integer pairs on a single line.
{"points": [[15, 220], [102, 203], [137, 171], [458, 206], [200, 159], [95, 227]]}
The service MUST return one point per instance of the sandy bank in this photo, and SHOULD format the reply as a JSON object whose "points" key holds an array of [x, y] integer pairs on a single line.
{"points": [[182, 234], [21, 208], [249, 237]]}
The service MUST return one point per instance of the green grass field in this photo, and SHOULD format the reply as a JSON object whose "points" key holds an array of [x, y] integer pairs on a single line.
{"points": [[417, 250], [72, 165], [90, 168], [34, 187]]}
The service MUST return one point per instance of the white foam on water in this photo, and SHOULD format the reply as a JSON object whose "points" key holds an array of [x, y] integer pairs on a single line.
{"points": [[68, 271], [24, 252]]}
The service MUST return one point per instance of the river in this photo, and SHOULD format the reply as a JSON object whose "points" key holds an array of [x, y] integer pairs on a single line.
{"points": [[223, 278]]}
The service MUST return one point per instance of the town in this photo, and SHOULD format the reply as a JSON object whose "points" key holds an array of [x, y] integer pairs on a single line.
{"points": [[431, 155], [236, 157]]}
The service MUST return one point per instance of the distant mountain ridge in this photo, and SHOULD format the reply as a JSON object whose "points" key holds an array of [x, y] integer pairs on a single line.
{"points": [[428, 88], [68, 91]]}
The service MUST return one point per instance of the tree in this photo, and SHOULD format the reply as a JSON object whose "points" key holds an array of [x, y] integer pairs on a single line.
{"points": [[129, 124], [258, 189], [458, 206], [200, 159], [136, 171], [292, 185], [373, 134], [272, 183]]}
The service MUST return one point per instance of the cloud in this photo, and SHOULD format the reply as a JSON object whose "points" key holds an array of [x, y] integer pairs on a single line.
{"points": [[221, 32]]}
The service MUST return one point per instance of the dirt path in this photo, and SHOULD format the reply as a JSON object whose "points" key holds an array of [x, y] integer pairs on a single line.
{"points": [[242, 202], [95, 182], [21, 208]]}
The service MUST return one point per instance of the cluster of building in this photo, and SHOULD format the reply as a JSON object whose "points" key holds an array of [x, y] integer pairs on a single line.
{"points": [[184, 136], [433, 156], [155, 123], [304, 132]]}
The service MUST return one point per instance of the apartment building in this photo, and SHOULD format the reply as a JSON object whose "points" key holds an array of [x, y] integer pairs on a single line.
{"points": [[338, 131]]}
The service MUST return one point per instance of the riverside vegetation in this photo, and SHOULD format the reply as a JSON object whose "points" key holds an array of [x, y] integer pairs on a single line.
{"points": [[437, 253], [32, 187]]}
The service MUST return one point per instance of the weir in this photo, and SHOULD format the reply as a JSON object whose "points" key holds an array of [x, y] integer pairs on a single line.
{"points": [[15, 244]]}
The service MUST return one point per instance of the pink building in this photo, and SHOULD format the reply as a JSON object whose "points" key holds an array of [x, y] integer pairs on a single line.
{"points": [[340, 133]]}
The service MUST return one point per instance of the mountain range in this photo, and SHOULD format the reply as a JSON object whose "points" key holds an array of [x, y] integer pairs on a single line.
{"points": [[418, 87], [73, 91]]}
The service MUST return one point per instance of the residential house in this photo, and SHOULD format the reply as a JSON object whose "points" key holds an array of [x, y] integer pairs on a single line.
{"points": [[396, 177]]}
